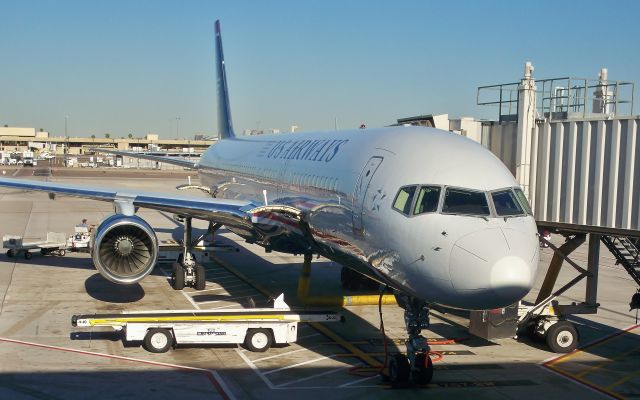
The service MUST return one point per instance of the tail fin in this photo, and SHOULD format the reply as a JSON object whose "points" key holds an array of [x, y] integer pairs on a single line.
{"points": [[225, 127]]}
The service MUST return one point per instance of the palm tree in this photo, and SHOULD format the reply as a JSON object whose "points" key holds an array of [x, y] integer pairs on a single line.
{"points": [[107, 135], [131, 136], [93, 136]]}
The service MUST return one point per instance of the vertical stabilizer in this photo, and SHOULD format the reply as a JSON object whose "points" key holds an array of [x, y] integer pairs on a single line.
{"points": [[225, 127]]}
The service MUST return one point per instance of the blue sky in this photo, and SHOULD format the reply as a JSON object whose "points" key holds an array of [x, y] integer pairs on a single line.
{"points": [[124, 67]]}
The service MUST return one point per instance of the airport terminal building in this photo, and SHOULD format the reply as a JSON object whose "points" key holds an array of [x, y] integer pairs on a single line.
{"points": [[18, 139]]}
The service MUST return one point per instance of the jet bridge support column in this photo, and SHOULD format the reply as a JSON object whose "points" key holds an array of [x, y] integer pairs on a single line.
{"points": [[556, 263], [592, 266]]}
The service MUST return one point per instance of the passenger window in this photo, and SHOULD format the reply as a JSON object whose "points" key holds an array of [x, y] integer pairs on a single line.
{"points": [[404, 198], [524, 203], [460, 201], [506, 203], [427, 201]]}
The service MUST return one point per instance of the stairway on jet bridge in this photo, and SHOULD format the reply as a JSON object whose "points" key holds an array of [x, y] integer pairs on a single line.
{"points": [[627, 253]]}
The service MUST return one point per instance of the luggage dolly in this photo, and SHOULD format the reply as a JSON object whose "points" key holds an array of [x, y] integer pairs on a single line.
{"points": [[56, 243], [256, 328]]}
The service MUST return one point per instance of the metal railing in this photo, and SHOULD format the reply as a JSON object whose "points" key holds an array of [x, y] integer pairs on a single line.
{"points": [[563, 98]]}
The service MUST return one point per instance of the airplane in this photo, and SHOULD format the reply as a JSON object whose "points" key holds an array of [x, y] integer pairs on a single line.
{"points": [[433, 215]]}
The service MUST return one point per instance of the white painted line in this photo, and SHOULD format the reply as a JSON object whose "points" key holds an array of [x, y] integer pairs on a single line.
{"points": [[314, 376], [227, 279], [189, 299], [219, 288], [256, 369], [299, 364], [346, 385], [285, 354], [228, 299], [221, 307]]}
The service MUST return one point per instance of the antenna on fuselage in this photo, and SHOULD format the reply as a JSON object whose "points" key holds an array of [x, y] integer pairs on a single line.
{"points": [[225, 127]]}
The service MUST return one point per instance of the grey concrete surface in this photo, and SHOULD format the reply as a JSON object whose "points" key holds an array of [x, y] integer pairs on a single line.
{"points": [[40, 295]]}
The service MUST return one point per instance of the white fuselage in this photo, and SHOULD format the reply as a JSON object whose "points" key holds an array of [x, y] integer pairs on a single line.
{"points": [[347, 183]]}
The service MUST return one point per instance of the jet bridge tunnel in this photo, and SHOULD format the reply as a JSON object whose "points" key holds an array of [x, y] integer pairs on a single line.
{"points": [[574, 146]]}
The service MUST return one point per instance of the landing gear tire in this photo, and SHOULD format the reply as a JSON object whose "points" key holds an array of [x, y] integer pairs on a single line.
{"points": [[177, 276], [562, 337], [399, 370], [258, 340], [27, 255], [201, 277], [158, 340], [422, 371], [11, 253]]}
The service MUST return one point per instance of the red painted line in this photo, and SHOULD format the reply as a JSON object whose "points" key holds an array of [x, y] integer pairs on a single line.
{"points": [[209, 374]]}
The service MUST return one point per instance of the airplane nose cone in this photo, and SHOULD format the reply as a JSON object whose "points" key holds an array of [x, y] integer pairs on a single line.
{"points": [[493, 268], [511, 278]]}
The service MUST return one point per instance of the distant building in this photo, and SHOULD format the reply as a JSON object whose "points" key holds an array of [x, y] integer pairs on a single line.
{"points": [[21, 139]]}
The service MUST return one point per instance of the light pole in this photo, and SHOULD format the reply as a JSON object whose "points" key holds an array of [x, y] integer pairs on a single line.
{"points": [[177, 127], [66, 138]]}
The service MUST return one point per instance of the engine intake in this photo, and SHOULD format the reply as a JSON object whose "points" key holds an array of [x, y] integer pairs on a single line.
{"points": [[124, 249]]}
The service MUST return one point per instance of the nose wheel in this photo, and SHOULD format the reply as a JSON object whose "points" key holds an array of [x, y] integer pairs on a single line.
{"points": [[416, 366]]}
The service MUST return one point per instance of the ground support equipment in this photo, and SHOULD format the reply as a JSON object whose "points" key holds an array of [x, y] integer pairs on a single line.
{"points": [[56, 243], [256, 328]]}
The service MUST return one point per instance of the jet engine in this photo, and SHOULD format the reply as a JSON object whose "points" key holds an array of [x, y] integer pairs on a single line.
{"points": [[124, 249]]}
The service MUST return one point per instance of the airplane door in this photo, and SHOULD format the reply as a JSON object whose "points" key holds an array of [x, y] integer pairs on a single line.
{"points": [[360, 191]]}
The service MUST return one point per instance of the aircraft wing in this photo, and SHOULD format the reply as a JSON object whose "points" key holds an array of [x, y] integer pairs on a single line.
{"points": [[228, 212], [169, 160]]}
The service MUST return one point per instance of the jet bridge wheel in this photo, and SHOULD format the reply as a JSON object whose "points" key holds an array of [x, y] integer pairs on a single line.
{"points": [[177, 276], [158, 340], [562, 337]]}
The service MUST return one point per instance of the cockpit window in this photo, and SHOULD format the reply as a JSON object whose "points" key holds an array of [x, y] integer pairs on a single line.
{"points": [[460, 201], [506, 203], [428, 198], [404, 198], [523, 200]]}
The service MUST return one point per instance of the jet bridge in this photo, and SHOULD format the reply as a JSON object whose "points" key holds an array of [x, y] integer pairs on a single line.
{"points": [[574, 146]]}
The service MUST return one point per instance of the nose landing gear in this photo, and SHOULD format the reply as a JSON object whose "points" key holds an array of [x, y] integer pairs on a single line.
{"points": [[416, 366]]}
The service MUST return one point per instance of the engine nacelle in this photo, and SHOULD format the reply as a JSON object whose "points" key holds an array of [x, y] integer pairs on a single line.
{"points": [[124, 249]]}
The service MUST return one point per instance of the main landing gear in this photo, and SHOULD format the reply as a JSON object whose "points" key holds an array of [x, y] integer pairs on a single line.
{"points": [[187, 272], [416, 366]]}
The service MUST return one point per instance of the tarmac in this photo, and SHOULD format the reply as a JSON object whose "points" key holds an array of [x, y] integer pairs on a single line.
{"points": [[44, 357]]}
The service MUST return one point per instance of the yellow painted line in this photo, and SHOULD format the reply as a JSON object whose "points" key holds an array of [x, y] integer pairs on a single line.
{"points": [[585, 382], [122, 321], [348, 346], [319, 327], [240, 275], [603, 364], [624, 379]]}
